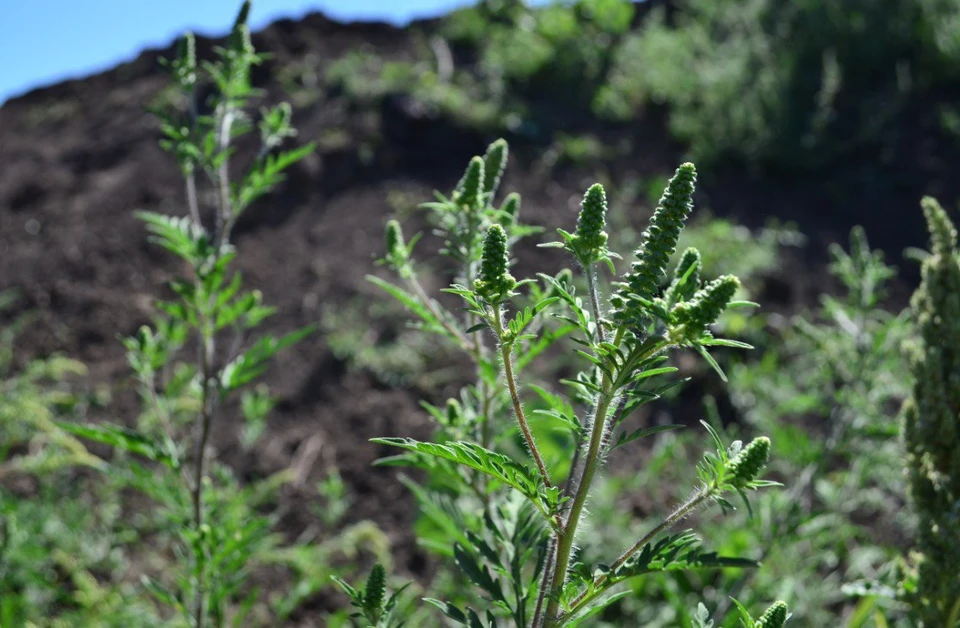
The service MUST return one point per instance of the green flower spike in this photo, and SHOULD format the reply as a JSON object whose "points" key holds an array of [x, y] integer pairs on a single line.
{"points": [[243, 15], [747, 465], [494, 162], [690, 262], [658, 243], [510, 209], [240, 40], [469, 193], [454, 411], [773, 617], [589, 243], [689, 319], [943, 235], [930, 428], [185, 66], [396, 256], [495, 282]]}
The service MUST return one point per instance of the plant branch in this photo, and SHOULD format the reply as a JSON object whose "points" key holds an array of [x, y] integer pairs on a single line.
{"points": [[704, 493], [192, 204], [554, 582], [547, 569], [465, 343], [569, 485], [225, 215], [506, 350]]}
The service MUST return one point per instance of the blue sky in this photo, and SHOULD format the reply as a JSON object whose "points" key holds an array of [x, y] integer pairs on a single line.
{"points": [[47, 41]]}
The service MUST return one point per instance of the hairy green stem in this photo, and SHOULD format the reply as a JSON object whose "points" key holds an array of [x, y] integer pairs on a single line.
{"points": [[465, 343], [568, 486], [609, 386], [478, 350], [547, 569], [568, 534], [594, 301], [506, 351], [591, 461]]}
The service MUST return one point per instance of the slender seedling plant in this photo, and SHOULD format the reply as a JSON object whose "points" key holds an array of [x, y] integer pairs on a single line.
{"points": [[211, 312], [519, 546]]}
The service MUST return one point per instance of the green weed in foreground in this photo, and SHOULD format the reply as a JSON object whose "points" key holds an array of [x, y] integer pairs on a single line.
{"points": [[57, 530], [504, 513], [931, 430], [826, 389], [210, 522]]}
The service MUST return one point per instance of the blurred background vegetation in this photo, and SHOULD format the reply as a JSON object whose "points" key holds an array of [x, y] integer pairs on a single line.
{"points": [[852, 101]]}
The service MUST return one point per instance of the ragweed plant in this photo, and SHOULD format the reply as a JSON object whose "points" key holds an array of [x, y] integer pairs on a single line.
{"points": [[511, 518], [931, 430], [213, 520], [60, 559], [827, 395], [774, 617]]}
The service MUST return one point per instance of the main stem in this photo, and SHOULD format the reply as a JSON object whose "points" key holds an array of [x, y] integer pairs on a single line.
{"points": [[200, 463], [591, 463], [224, 220], [599, 337], [547, 570], [192, 204], [569, 532], [594, 300]]}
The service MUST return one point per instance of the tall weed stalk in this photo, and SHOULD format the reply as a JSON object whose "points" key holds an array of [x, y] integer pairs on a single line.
{"points": [[931, 430], [213, 520]]}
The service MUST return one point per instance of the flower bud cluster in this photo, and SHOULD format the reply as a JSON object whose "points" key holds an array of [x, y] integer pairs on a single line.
{"points": [[683, 289], [397, 256], [773, 617], [589, 243], [931, 426], [658, 243], [510, 209], [469, 192], [747, 465], [689, 319], [495, 282], [494, 163]]}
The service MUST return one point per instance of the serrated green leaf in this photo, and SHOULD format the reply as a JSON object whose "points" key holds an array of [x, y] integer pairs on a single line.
{"points": [[479, 574], [505, 469], [253, 362], [625, 438], [124, 439], [709, 358], [723, 342], [596, 607], [412, 303]]}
